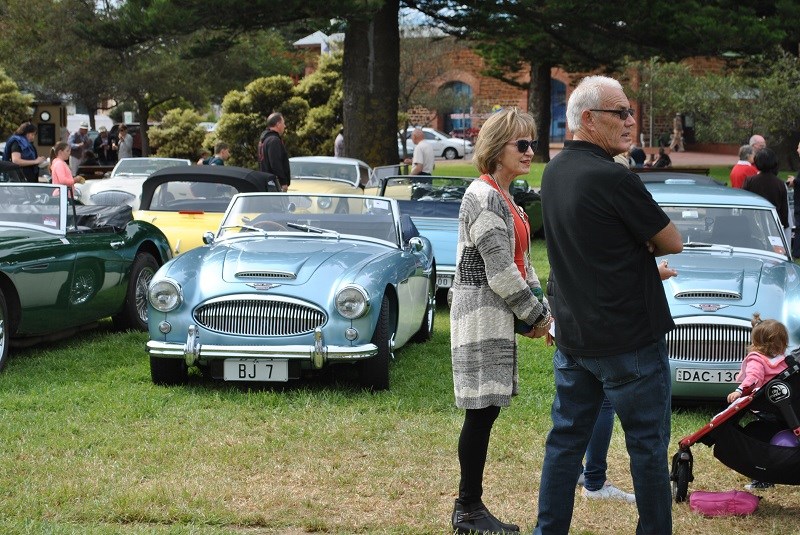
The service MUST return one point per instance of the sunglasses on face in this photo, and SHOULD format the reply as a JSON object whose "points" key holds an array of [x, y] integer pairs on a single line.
{"points": [[523, 144], [622, 114]]}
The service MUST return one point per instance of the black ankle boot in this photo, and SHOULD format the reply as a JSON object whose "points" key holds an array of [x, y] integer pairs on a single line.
{"points": [[477, 520]]}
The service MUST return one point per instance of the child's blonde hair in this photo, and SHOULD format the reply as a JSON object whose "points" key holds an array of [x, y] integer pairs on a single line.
{"points": [[768, 337]]}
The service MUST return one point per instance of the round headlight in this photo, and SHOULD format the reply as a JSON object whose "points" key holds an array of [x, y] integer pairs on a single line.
{"points": [[352, 302], [165, 295], [324, 202]]}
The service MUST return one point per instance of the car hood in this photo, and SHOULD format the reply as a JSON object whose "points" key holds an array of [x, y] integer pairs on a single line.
{"points": [[289, 262], [730, 285]]}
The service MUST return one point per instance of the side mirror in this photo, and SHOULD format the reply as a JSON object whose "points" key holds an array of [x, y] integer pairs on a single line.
{"points": [[208, 237]]}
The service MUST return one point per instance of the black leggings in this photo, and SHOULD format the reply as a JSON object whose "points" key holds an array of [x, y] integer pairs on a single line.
{"points": [[473, 445]]}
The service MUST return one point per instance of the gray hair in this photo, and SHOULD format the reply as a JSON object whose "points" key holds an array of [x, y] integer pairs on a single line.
{"points": [[745, 151], [588, 95]]}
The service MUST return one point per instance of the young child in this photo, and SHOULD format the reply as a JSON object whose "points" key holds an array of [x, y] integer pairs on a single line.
{"points": [[766, 359]]}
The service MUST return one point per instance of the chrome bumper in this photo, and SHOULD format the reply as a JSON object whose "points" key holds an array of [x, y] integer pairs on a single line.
{"points": [[318, 354]]}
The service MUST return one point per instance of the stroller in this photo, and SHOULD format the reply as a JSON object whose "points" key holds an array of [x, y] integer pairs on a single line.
{"points": [[745, 446]]}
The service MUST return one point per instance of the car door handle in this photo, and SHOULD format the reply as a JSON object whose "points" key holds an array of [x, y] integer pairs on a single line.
{"points": [[116, 244]]}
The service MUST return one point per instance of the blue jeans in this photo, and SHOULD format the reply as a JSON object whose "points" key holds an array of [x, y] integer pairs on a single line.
{"points": [[638, 385], [594, 473]]}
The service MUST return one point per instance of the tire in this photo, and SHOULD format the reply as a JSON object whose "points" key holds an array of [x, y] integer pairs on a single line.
{"points": [[168, 372], [425, 331], [134, 310], [5, 331], [682, 483], [450, 153], [373, 373]]}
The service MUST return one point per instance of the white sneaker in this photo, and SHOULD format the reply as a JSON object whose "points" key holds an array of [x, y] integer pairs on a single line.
{"points": [[609, 492]]}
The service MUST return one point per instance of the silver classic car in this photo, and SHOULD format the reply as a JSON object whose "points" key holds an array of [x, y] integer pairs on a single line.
{"points": [[735, 262], [289, 285]]}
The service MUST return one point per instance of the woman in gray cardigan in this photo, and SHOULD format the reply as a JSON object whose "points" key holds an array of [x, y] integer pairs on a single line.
{"points": [[494, 288]]}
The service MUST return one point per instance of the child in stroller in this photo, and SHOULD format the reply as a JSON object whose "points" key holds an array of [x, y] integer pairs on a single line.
{"points": [[765, 360], [770, 393]]}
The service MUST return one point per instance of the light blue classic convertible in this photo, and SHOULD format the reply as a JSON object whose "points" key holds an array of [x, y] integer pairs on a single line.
{"points": [[735, 262], [289, 284]]}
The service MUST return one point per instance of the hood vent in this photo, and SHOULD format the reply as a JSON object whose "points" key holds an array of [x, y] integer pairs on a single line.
{"points": [[708, 294], [265, 275]]}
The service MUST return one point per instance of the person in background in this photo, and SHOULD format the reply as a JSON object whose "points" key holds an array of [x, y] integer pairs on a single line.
{"points": [[637, 155], [221, 153], [338, 143], [272, 155], [104, 147], [651, 162], [60, 172], [204, 157], [20, 150], [744, 167], [757, 142], [767, 184], [79, 143], [677, 134], [611, 312], [494, 296], [124, 142], [791, 181], [663, 158], [423, 160]]}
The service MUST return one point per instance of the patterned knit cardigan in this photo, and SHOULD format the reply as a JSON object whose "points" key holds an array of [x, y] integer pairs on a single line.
{"points": [[488, 291]]}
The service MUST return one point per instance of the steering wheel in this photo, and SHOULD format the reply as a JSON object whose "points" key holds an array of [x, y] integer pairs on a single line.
{"points": [[270, 226]]}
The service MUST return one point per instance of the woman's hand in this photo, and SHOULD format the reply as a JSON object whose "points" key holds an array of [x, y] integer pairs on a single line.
{"points": [[733, 396]]}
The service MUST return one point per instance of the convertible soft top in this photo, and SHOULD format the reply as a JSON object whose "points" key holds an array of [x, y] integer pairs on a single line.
{"points": [[244, 180]]}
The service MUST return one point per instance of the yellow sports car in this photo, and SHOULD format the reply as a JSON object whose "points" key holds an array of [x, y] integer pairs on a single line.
{"points": [[186, 202]]}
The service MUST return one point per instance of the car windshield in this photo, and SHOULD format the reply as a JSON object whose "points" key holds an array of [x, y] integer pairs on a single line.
{"points": [[192, 196], [325, 170], [33, 206], [732, 226], [144, 167], [317, 215]]}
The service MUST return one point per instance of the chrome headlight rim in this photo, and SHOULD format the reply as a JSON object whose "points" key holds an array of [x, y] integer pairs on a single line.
{"points": [[352, 302], [324, 203], [165, 295]]}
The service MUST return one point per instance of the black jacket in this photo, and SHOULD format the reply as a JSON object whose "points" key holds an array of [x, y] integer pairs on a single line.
{"points": [[272, 156]]}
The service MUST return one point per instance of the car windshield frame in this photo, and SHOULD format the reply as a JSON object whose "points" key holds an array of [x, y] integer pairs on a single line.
{"points": [[711, 226], [324, 216], [144, 167], [39, 207]]}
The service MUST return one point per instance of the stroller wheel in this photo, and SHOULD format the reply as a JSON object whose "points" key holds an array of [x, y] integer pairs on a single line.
{"points": [[681, 484]]}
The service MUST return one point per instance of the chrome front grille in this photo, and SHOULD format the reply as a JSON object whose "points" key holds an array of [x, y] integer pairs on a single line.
{"points": [[711, 343], [259, 316]]}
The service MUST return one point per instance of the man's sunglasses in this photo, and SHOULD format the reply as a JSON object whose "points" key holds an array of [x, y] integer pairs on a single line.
{"points": [[523, 144], [622, 114]]}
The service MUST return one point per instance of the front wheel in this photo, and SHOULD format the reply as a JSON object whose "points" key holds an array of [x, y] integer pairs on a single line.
{"points": [[450, 153], [134, 311], [373, 373]]}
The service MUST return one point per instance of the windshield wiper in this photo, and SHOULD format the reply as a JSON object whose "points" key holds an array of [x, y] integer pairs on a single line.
{"points": [[245, 227], [309, 228], [697, 244]]}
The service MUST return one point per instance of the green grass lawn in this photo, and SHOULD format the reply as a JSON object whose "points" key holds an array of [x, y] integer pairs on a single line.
{"points": [[90, 445]]}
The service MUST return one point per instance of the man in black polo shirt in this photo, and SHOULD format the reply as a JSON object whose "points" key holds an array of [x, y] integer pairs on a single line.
{"points": [[603, 231]]}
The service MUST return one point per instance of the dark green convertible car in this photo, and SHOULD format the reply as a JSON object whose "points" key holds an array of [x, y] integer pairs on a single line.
{"points": [[64, 267]]}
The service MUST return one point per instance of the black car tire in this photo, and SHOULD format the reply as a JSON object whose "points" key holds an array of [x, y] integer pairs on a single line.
{"points": [[5, 331], [168, 371], [134, 310], [425, 331], [373, 373], [450, 153]]}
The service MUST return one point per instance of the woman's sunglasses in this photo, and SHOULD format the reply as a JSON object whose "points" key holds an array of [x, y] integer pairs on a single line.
{"points": [[523, 144]]}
